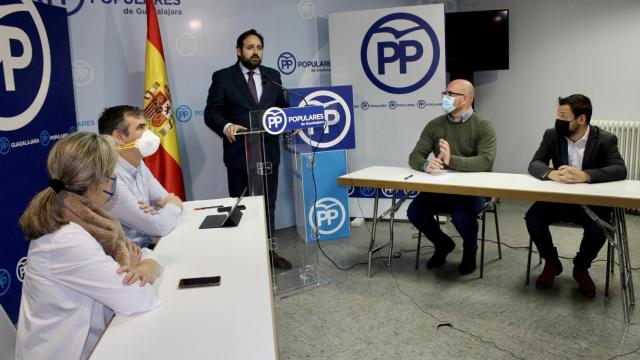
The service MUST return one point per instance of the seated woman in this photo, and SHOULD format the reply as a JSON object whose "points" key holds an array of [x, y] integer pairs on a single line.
{"points": [[80, 266]]}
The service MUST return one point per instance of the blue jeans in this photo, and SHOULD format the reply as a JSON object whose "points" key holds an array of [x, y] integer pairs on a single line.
{"points": [[464, 212]]}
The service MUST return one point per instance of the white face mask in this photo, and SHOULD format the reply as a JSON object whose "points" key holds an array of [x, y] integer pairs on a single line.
{"points": [[147, 144]]}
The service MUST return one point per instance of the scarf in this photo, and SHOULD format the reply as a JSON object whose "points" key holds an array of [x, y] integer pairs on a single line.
{"points": [[101, 225]]}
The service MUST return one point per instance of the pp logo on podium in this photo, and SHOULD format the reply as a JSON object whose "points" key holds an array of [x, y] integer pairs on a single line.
{"points": [[274, 120], [395, 53], [330, 215], [337, 113], [24, 97]]}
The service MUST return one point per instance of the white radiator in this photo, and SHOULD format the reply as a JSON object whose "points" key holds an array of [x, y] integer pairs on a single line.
{"points": [[628, 133]]}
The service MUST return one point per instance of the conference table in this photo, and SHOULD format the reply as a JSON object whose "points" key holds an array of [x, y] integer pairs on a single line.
{"points": [[619, 195], [232, 321]]}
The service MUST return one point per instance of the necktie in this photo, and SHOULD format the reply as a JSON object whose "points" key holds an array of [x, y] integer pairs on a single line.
{"points": [[252, 86]]}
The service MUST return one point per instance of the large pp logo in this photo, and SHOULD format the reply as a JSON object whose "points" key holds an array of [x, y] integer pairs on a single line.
{"points": [[274, 120], [395, 53], [72, 6], [5, 281], [183, 113], [18, 62], [330, 215], [338, 119], [21, 268], [286, 63]]}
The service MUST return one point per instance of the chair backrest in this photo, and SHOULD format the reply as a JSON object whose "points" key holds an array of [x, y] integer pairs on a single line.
{"points": [[7, 337]]}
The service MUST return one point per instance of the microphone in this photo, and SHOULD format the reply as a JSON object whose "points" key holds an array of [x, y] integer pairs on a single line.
{"points": [[286, 89]]}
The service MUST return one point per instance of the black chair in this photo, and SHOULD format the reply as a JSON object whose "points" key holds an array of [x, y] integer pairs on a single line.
{"points": [[609, 266], [491, 206]]}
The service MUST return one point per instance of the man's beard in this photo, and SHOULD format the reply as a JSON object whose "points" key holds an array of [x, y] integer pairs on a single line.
{"points": [[250, 64]]}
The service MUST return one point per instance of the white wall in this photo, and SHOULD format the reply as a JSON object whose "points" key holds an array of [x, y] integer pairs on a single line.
{"points": [[559, 47]]}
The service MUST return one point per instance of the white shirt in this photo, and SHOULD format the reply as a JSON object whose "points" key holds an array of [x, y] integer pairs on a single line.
{"points": [[575, 150], [138, 183], [69, 294]]}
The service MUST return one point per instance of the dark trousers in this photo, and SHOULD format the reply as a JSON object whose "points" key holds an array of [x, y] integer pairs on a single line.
{"points": [[238, 180], [542, 214], [464, 214]]}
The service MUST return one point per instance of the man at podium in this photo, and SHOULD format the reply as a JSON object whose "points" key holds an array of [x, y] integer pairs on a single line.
{"points": [[236, 91]]}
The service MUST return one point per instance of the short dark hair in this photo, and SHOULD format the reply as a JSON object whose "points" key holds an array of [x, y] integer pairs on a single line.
{"points": [[579, 104], [113, 119], [245, 35]]}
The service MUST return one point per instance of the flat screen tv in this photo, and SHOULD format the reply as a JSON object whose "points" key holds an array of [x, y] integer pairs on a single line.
{"points": [[477, 40]]}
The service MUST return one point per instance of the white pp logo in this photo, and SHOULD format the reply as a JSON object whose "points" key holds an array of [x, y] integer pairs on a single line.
{"points": [[274, 120], [330, 215], [337, 114], [21, 267], [10, 64]]}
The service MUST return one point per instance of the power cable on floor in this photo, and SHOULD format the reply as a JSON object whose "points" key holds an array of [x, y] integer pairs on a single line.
{"points": [[625, 354], [442, 323]]}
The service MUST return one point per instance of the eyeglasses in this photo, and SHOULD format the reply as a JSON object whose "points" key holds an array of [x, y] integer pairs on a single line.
{"points": [[113, 186], [451, 93]]}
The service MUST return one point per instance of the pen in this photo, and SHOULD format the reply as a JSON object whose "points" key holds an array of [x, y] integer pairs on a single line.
{"points": [[408, 177], [208, 207]]}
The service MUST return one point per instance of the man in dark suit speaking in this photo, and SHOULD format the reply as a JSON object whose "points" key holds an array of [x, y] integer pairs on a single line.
{"points": [[580, 153], [236, 91]]}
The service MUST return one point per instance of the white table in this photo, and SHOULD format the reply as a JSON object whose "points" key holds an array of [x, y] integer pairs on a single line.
{"points": [[232, 321], [616, 194]]}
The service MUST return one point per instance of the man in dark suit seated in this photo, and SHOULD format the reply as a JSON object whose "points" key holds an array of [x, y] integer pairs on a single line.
{"points": [[580, 153], [236, 91]]}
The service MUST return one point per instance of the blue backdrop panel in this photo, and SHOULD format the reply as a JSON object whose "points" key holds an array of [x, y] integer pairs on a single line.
{"points": [[36, 91]]}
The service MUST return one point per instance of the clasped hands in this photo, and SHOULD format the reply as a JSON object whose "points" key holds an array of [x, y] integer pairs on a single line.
{"points": [[569, 175], [439, 162], [146, 271]]}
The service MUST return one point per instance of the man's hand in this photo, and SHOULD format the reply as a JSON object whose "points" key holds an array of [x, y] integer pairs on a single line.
{"points": [[434, 165], [231, 130], [170, 199], [445, 152], [147, 272], [569, 175], [147, 208]]}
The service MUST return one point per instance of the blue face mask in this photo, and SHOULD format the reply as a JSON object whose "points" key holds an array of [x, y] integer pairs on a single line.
{"points": [[447, 103]]}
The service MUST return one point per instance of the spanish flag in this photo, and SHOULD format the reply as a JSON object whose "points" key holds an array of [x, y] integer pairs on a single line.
{"points": [[165, 163]]}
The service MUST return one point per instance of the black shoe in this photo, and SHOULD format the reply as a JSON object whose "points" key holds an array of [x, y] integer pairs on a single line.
{"points": [[279, 262], [468, 263], [440, 255]]}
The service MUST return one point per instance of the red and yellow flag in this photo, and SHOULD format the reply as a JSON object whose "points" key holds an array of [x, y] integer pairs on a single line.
{"points": [[165, 163]]}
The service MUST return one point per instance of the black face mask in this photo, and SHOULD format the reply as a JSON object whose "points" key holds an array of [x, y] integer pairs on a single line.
{"points": [[562, 127]]}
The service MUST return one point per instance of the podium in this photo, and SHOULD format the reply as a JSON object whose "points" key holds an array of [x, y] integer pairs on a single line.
{"points": [[271, 165]]}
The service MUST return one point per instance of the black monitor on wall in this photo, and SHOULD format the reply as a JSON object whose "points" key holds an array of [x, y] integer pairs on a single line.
{"points": [[476, 41]]}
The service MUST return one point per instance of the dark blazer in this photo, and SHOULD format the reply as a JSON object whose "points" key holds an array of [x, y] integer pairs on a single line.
{"points": [[602, 160], [229, 101]]}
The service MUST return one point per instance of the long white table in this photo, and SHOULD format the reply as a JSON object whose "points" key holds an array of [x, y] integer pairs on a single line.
{"points": [[232, 321], [617, 194]]}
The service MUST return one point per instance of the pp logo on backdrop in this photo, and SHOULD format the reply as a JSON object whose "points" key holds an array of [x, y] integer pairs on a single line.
{"points": [[330, 215], [21, 268], [274, 120], [338, 119], [286, 63], [183, 113], [395, 53], [5, 281], [72, 6], [26, 97]]}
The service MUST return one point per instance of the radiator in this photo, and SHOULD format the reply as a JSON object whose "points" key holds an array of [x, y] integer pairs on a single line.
{"points": [[628, 133]]}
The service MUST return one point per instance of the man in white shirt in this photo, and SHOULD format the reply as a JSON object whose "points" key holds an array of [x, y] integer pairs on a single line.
{"points": [[580, 153], [142, 205]]}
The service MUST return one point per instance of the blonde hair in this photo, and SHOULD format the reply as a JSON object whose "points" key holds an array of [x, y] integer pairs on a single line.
{"points": [[80, 161]]}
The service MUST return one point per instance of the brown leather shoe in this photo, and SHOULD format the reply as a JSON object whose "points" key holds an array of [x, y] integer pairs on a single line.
{"points": [[586, 287], [552, 268]]}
